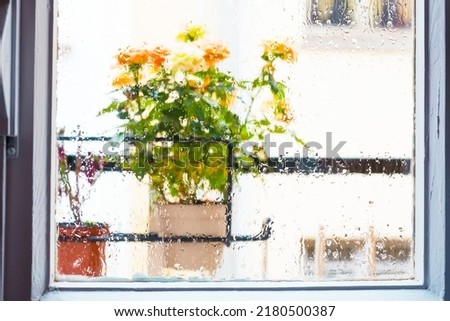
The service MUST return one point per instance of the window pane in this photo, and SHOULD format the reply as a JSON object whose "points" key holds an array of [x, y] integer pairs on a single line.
{"points": [[339, 208]]}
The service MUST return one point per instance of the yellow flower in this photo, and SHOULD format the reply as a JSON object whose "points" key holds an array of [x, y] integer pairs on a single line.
{"points": [[229, 100], [281, 110], [133, 57], [275, 49], [192, 33], [187, 60], [215, 53], [268, 68], [123, 80], [260, 154]]}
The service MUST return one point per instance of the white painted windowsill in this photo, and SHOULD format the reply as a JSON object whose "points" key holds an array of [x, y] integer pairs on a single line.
{"points": [[241, 295]]}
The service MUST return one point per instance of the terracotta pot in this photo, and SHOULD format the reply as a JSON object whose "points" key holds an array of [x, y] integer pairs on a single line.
{"points": [[187, 220], [76, 254]]}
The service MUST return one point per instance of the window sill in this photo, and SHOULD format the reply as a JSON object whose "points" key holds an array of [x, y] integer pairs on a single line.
{"points": [[242, 295]]}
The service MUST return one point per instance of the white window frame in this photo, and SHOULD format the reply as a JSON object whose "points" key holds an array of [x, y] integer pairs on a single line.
{"points": [[29, 198]]}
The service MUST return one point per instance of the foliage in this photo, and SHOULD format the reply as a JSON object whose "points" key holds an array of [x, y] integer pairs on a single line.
{"points": [[181, 95], [86, 169]]}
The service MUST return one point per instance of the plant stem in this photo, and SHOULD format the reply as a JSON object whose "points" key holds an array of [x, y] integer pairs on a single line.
{"points": [[251, 105], [75, 199]]}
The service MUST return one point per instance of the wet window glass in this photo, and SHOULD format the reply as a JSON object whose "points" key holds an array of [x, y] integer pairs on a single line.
{"points": [[234, 140]]}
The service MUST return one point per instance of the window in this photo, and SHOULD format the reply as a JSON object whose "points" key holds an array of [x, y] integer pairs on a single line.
{"points": [[433, 219], [333, 12], [349, 223], [377, 13]]}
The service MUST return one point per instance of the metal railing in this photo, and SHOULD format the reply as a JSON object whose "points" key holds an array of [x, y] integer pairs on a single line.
{"points": [[286, 165]]}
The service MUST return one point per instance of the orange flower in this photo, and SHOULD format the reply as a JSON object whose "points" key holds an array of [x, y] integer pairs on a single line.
{"points": [[123, 80], [206, 82], [158, 56], [199, 85], [215, 53], [275, 49], [133, 57]]}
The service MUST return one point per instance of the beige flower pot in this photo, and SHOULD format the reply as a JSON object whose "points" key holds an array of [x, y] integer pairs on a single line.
{"points": [[187, 259]]}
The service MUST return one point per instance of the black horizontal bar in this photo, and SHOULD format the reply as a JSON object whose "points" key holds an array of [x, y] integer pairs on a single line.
{"points": [[263, 235], [130, 139], [306, 165], [339, 166], [84, 138]]}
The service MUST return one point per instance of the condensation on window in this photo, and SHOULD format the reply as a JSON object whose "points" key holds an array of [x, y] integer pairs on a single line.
{"points": [[373, 13], [340, 209]]}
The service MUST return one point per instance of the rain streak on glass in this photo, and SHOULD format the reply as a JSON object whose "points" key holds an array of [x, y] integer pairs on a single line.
{"points": [[334, 201]]}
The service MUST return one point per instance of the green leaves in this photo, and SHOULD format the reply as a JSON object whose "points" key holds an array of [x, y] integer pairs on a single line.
{"points": [[277, 88], [196, 102], [183, 169], [278, 129], [299, 140], [114, 106]]}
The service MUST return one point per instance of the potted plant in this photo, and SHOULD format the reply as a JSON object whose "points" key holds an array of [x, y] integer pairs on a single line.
{"points": [[77, 251], [184, 112]]}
